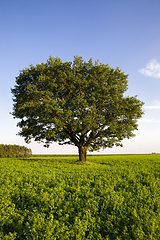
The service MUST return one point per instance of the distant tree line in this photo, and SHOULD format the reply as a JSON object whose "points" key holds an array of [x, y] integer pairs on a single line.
{"points": [[8, 151]]}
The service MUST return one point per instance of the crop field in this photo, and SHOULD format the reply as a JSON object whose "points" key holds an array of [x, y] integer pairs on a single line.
{"points": [[57, 197]]}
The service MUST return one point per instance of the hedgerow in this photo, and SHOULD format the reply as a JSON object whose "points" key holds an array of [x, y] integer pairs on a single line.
{"points": [[14, 151]]}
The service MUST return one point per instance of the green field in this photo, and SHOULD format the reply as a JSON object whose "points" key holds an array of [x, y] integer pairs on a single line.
{"points": [[57, 197]]}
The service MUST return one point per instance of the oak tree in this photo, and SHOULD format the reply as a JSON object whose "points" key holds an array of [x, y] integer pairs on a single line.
{"points": [[79, 103]]}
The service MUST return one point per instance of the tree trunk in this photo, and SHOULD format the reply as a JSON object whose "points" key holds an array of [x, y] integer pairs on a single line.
{"points": [[82, 153]]}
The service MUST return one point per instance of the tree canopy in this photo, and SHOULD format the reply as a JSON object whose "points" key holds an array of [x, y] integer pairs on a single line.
{"points": [[79, 103]]}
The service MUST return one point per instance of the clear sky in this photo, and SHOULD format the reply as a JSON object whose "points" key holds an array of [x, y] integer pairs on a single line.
{"points": [[123, 33]]}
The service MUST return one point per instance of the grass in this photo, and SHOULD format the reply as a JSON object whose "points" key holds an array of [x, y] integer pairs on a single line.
{"points": [[57, 197]]}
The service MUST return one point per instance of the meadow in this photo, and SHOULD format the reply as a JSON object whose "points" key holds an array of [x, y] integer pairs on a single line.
{"points": [[57, 197]]}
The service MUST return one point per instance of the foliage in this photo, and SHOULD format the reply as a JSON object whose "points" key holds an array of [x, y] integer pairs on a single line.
{"points": [[110, 197], [77, 103], [14, 151]]}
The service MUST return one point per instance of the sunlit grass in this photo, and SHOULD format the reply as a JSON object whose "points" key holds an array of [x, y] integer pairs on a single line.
{"points": [[58, 197]]}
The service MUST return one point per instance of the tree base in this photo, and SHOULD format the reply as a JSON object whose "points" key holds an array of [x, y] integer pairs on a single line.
{"points": [[82, 154]]}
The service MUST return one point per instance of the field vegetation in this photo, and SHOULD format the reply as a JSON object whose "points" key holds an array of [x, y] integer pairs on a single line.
{"points": [[58, 197]]}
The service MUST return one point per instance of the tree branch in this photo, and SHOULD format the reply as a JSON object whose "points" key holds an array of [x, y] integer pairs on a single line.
{"points": [[71, 137]]}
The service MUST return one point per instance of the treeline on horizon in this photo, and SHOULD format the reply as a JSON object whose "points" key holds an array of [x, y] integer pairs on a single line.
{"points": [[15, 151]]}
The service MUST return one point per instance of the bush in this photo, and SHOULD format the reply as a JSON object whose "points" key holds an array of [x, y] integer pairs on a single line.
{"points": [[8, 151]]}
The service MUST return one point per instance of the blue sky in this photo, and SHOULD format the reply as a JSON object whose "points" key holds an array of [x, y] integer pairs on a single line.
{"points": [[121, 33]]}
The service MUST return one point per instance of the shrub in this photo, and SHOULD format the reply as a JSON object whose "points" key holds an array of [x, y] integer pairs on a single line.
{"points": [[8, 151]]}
